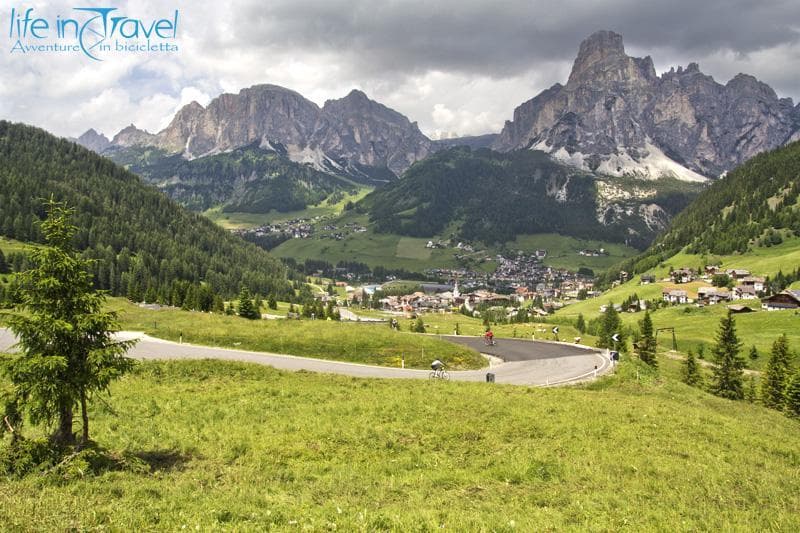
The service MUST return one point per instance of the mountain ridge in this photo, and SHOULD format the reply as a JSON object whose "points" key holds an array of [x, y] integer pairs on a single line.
{"points": [[341, 136], [616, 115]]}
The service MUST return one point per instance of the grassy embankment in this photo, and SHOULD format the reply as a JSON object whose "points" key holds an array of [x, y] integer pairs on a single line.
{"points": [[212, 445], [374, 344]]}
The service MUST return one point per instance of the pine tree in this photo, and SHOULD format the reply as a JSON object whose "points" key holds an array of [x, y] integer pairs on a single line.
{"points": [[728, 372], [753, 353], [580, 324], [419, 326], [646, 346], [67, 350], [219, 304], [246, 307], [751, 395], [3, 264], [150, 295], [272, 303], [792, 397], [776, 375], [691, 371], [609, 326]]}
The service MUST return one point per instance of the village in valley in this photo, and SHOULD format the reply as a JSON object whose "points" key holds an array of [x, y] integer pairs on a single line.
{"points": [[515, 280], [304, 228], [524, 282]]}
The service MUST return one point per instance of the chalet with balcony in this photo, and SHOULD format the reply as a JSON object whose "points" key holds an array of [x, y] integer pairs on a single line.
{"points": [[788, 299]]}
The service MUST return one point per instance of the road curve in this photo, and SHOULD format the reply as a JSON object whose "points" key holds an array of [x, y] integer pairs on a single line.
{"points": [[525, 362]]}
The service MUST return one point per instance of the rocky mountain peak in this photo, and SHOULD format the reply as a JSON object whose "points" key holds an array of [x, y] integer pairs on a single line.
{"points": [[344, 134], [370, 133], [192, 107], [616, 116], [133, 136], [599, 45], [601, 58], [357, 95], [93, 140], [745, 83]]}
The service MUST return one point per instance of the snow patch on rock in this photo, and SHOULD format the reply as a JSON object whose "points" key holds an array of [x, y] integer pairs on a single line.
{"points": [[654, 165]]}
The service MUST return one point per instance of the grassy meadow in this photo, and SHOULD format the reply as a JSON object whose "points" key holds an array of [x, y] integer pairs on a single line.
{"points": [[374, 344], [325, 208], [206, 445], [373, 249], [410, 253], [562, 251], [10, 245]]}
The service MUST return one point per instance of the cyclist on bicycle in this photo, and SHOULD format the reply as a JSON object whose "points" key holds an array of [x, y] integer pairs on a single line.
{"points": [[489, 337], [437, 365]]}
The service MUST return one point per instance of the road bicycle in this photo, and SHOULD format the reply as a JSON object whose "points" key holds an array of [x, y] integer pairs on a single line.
{"points": [[439, 374]]}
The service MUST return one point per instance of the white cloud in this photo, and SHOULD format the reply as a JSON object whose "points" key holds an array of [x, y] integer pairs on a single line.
{"points": [[459, 66]]}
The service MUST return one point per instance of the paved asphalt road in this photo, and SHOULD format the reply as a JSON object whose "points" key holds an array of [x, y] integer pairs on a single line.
{"points": [[525, 362]]}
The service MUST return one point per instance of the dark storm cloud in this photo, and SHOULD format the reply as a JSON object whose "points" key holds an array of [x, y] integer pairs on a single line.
{"points": [[503, 38]]}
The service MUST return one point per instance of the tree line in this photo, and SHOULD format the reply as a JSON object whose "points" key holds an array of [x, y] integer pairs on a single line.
{"points": [[139, 241]]}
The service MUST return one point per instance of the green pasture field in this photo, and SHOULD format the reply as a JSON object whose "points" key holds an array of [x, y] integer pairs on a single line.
{"points": [[203, 445]]}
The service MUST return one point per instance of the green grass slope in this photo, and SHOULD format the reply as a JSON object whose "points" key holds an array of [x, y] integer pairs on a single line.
{"points": [[9, 246], [694, 326], [224, 446], [371, 248], [374, 344], [562, 251]]}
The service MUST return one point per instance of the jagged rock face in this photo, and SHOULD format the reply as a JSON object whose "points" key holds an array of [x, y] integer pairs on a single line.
{"points": [[93, 141], [356, 128], [262, 112], [615, 115], [133, 136], [353, 129]]}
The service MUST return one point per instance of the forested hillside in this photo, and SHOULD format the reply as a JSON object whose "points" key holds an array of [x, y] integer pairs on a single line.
{"points": [[755, 205], [250, 179], [145, 244], [492, 197]]}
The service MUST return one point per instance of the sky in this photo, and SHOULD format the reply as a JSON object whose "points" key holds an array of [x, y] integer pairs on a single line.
{"points": [[454, 67]]}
